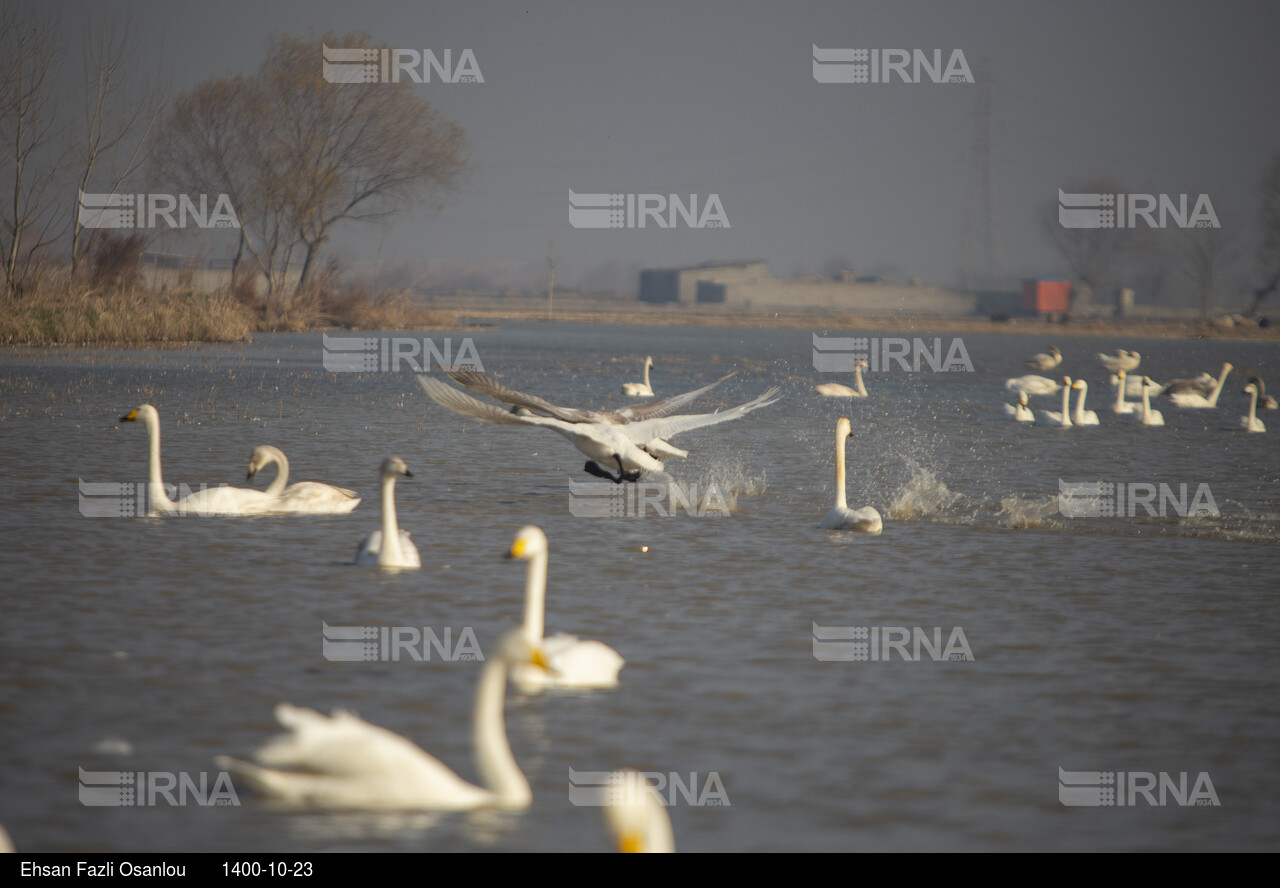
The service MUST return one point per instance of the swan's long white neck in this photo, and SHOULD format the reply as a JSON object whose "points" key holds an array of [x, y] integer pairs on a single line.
{"points": [[492, 751], [535, 598], [1146, 402], [1084, 390], [841, 501], [1120, 395], [276, 487], [647, 364], [857, 375], [1217, 389], [390, 550], [160, 501], [1066, 405], [1253, 406]]}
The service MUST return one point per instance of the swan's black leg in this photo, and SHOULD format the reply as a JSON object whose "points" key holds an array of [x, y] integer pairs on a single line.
{"points": [[623, 474], [594, 468]]}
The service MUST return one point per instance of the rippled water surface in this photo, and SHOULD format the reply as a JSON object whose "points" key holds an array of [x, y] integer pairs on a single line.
{"points": [[1121, 644]]}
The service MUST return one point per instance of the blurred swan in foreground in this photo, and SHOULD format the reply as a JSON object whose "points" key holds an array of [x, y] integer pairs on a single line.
{"points": [[1083, 417], [1045, 360], [572, 662], [1032, 385], [635, 816], [1147, 416], [341, 761], [841, 517], [836, 390], [632, 439], [1053, 417], [303, 498], [213, 501], [390, 546], [1020, 412], [1194, 394], [1251, 423], [1121, 360], [640, 389]]}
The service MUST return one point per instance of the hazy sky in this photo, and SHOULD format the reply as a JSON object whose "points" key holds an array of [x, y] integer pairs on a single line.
{"points": [[719, 98]]}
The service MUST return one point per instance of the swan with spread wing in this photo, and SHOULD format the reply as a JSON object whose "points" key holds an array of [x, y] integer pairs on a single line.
{"points": [[633, 438]]}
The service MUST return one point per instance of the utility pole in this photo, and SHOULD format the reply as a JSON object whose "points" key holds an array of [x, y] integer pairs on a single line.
{"points": [[980, 268], [551, 276]]}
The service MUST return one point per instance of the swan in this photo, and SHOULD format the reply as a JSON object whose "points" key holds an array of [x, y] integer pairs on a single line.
{"points": [[1053, 417], [223, 500], [1251, 423], [1032, 385], [640, 389], [303, 498], [391, 546], [1147, 416], [634, 446], [1265, 401], [1044, 361], [1194, 396], [341, 761], [635, 815], [836, 390], [1122, 360], [572, 662], [1083, 417], [1020, 412], [1133, 385], [841, 517], [1121, 405]]}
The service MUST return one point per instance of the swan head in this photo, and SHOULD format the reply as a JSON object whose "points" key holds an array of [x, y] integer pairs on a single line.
{"points": [[648, 362], [1053, 350], [393, 466], [261, 458], [1080, 384], [145, 414], [1249, 389], [515, 649], [1022, 398], [529, 542], [635, 815], [861, 364], [843, 427]]}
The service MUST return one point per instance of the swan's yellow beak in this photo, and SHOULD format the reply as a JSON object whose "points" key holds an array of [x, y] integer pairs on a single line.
{"points": [[517, 549], [630, 843], [539, 659], [131, 416]]}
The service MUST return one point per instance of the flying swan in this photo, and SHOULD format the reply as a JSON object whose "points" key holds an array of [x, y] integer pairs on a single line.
{"points": [[572, 662], [229, 501], [841, 517], [340, 761], [303, 498], [391, 546], [640, 389], [836, 390], [634, 446]]}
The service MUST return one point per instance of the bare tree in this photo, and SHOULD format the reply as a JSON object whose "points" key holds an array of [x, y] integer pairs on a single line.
{"points": [[297, 155], [32, 145], [119, 115], [1204, 255], [1269, 227], [1094, 255]]}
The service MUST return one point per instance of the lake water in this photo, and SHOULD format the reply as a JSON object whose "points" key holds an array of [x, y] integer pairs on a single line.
{"points": [[1134, 643]]}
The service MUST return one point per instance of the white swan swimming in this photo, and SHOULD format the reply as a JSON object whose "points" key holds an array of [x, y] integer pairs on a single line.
{"points": [[1122, 360], [640, 389], [1121, 405], [1020, 412], [1083, 417], [608, 439], [1032, 385], [303, 498], [214, 501], [1044, 360], [340, 761], [1251, 423], [1185, 393], [571, 661], [836, 390], [841, 517], [635, 816], [1147, 416], [390, 546], [1053, 417], [1265, 401]]}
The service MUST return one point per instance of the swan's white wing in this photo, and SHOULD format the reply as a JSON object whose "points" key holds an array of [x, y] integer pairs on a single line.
{"points": [[669, 427], [487, 385], [667, 406], [573, 663], [367, 551], [225, 501], [864, 520], [315, 498], [408, 551]]}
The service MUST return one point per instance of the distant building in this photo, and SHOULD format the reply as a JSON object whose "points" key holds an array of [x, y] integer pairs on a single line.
{"points": [[1046, 296], [748, 285]]}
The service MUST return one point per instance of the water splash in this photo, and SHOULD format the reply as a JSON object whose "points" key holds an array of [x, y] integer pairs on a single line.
{"points": [[923, 496]]}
